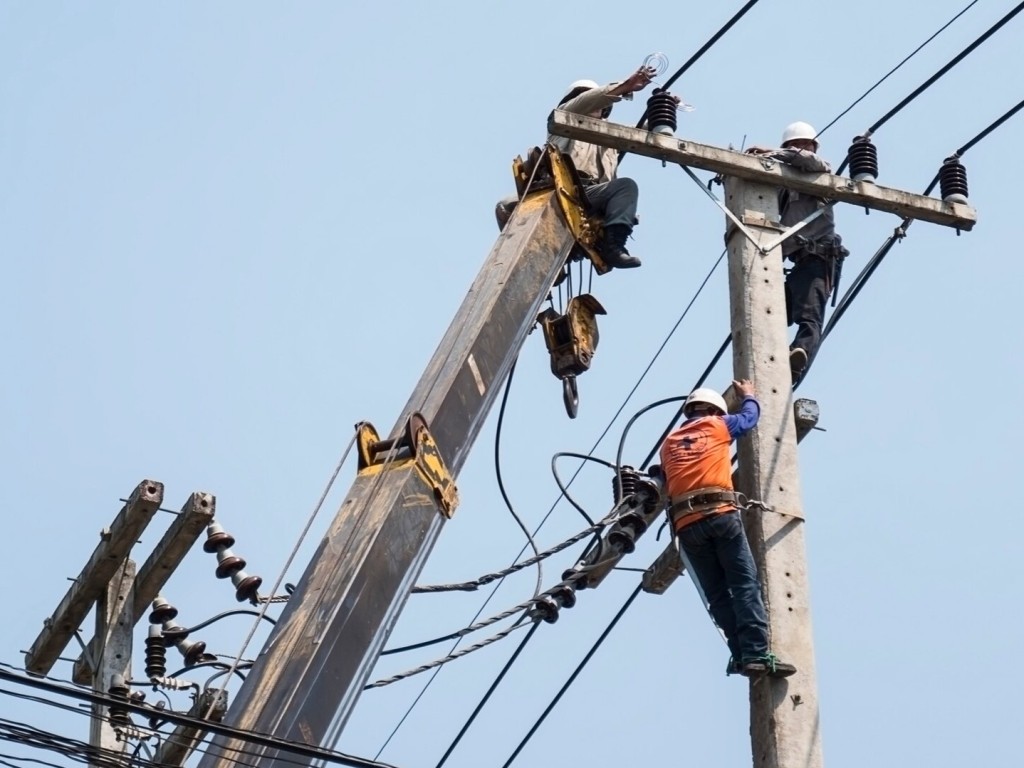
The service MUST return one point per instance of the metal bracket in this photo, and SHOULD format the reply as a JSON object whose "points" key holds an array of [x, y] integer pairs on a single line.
{"points": [[414, 445], [86, 656], [585, 227], [759, 221]]}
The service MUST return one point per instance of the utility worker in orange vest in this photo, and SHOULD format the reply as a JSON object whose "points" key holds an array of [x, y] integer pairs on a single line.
{"points": [[705, 515]]}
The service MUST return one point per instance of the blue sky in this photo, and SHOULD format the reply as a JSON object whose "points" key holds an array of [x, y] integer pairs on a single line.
{"points": [[233, 230]]}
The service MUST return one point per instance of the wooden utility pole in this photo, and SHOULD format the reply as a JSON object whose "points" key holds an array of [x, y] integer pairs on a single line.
{"points": [[120, 595], [784, 716]]}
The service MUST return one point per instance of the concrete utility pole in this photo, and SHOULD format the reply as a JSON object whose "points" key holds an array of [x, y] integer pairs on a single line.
{"points": [[784, 722], [784, 716]]}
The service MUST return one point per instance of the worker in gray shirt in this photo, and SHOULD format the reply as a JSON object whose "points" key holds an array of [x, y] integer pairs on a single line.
{"points": [[612, 197], [816, 251]]}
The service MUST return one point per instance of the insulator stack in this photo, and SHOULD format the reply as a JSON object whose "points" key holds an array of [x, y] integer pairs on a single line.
{"points": [[230, 565], [547, 605], [661, 112], [156, 653], [863, 160], [953, 180], [625, 483], [116, 715]]}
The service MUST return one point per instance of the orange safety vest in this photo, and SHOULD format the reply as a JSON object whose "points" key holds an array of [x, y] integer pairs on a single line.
{"points": [[695, 458]]}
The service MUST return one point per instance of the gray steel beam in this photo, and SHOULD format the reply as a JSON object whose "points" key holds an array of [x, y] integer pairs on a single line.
{"points": [[317, 659]]}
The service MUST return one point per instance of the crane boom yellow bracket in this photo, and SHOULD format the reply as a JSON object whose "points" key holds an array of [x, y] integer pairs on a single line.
{"points": [[551, 169], [414, 445]]}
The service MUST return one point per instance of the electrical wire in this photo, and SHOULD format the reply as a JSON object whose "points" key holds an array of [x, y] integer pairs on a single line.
{"points": [[573, 676], [942, 71], [900, 232], [575, 474], [565, 490], [700, 382], [451, 656], [291, 556], [87, 712], [180, 633], [487, 696], [471, 586], [700, 52], [501, 484], [259, 739], [893, 70]]}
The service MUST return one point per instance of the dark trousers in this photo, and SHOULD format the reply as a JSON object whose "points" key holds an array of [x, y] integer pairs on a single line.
{"points": [[808, 286], [615, 201], [720, 556]]}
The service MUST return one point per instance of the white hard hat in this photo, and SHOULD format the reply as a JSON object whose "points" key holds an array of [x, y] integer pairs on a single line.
{"points": [[705, 395], [577, 87], [799, 130]]}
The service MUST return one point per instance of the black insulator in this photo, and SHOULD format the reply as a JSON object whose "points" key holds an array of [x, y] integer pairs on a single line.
{"points": [[156, 653], [661, 112], [863, 157], [565, 594], [228, 563], [953, 180], [546, 608], [625, 482], [246, 586], [116, 715], [193, 652], [624, 538], [162, 611]]}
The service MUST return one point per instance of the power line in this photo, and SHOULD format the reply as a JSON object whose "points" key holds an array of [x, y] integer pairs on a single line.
{"points": [[900, 232], [487, 696], [893, 70], [263, 740], [942, 71], [573, 676]]}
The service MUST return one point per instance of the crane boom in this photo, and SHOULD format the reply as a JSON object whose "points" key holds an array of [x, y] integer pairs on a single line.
{"points": [[307, 679]]}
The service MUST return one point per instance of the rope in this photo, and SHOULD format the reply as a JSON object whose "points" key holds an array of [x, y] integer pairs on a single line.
{"points": [[286, 566]]}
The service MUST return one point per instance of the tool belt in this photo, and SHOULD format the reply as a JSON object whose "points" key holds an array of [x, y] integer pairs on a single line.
{"points": [[700, 502], [831, 248]]}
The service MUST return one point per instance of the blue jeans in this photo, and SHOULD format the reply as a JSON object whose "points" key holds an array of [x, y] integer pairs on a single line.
{"points": [[723, 565]]}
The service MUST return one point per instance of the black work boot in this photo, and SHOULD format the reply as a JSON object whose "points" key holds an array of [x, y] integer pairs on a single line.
{"points": [[797, 363], [613, 248]]}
